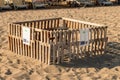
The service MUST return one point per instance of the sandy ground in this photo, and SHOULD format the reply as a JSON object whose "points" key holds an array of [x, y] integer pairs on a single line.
{"points": [[106, 67]]}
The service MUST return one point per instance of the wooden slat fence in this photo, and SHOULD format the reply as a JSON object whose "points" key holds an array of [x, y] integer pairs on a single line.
{"points": [[56, 40]]}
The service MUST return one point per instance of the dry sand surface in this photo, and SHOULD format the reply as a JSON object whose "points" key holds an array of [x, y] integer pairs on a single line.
{"points": [[106, 67]]}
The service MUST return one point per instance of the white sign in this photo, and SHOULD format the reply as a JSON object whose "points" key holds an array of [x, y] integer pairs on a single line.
{"points": [[26, 35], [84, 37]]}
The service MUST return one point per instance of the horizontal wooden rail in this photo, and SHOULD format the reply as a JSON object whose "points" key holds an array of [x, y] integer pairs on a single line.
{"points": [[83, 22]]}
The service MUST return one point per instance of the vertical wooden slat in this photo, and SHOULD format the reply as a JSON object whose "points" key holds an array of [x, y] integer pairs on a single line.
{"points": [[92, 44], [16, 44], [37, 49], [69, 35], [67, 22], [31, 54], [45, 37], [39, 27], [13, 38], [49, 53], [48, 27], [92, 40], [21, 47], [105, 38], [43, 53], [42, 23], [40, 52], [55, 24], [102, 33], [47, 24], [46, 54], [51, 25], [9, 40], [98, 41], [53, 52], [58, 23], [26, 46], [58, 55], [18, 30], [12, 44], [95, 47]]}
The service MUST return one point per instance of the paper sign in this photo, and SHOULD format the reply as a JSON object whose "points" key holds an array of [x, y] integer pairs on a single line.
{"points": [[84, 37], [26, 35]]}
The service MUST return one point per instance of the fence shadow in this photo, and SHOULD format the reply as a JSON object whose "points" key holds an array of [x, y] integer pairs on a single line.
{"points": [[110, 59]]}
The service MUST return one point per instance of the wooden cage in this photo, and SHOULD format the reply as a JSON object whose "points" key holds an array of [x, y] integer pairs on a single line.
{"points": [[56, 40]]}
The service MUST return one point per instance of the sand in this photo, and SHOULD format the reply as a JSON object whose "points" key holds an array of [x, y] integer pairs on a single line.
{"points": [[106, 67]]}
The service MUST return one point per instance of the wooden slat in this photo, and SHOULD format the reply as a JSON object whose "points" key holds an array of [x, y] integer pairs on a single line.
{"points": [[105, 39], [49, 54], [9, 42], [21, 47], [46, 54], [58, 22], [58, 55], [34, 49], [54, 54], [37, 50], [40, 53], [16, 49]]}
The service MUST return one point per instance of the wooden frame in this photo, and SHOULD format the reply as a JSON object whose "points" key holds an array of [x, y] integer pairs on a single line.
{"points": [[56, 40]]}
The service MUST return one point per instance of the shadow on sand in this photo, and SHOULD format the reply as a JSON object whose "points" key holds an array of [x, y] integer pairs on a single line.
{"points": [[110, 59]]}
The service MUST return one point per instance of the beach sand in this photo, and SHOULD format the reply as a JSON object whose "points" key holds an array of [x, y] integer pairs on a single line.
{"points": [[105, 67]]}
